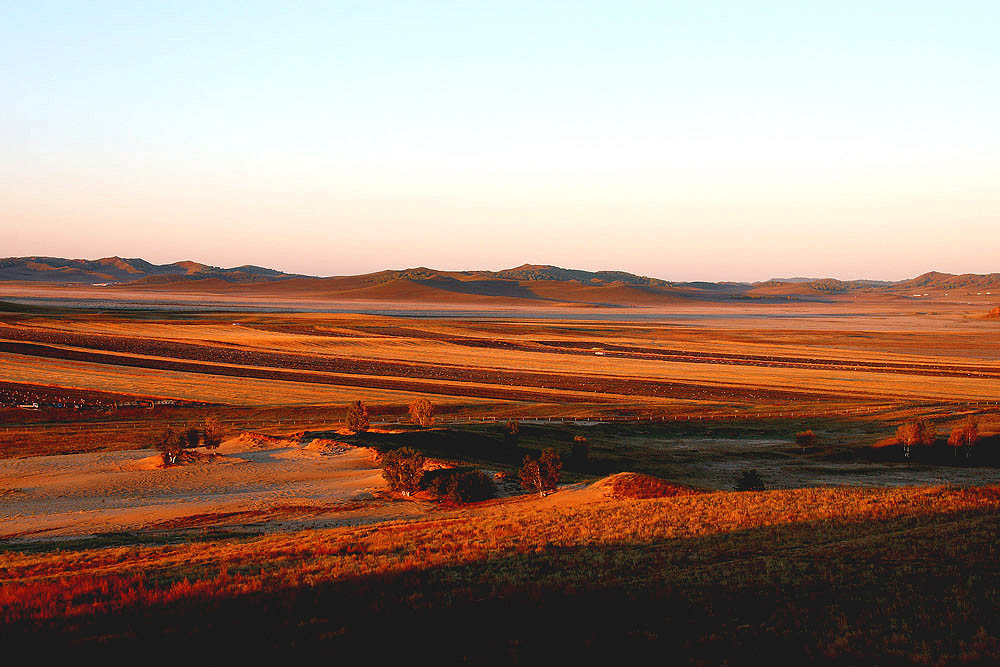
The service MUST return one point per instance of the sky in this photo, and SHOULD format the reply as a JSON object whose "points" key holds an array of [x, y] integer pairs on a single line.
{"points": [[684, 140]]}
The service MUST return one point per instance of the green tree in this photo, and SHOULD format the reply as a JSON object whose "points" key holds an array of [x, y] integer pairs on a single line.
{"points": [[212, 432]]}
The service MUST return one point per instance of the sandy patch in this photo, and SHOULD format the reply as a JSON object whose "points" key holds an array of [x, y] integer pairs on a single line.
{"points": [[257, 481]]}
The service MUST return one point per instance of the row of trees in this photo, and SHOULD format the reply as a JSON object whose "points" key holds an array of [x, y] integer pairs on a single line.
{"points": [[924, 433]]}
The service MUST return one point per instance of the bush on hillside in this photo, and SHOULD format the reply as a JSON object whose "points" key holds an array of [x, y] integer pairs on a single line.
{"points": [[749, 480], [461, 485]]}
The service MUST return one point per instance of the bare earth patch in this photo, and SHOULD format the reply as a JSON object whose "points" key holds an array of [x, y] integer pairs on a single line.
{"points": [[261, 481]]}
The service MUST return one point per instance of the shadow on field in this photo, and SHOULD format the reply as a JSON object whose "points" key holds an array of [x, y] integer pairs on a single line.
{"points": [[911, 589]]}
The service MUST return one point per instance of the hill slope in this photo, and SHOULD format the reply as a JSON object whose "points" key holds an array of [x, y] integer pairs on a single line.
{"points": [[528, 283], [123, 270]]}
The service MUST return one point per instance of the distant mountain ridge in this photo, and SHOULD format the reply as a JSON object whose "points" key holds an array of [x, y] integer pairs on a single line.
{"points": [[938, 280], [125, 270], [518, 285], [828, 285]]}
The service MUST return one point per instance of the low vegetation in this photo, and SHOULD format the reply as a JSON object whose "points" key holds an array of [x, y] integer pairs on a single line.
{"points": [[634, 486], [749, 480], [580, 452], [843, 576], [460, 485]]}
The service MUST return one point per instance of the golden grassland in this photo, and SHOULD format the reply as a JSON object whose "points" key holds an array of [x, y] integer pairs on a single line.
{"points": [[801, 575], [841, 575], [490, 348]]}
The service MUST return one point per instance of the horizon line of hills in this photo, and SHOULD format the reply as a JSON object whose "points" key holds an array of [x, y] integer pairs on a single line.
{"points": [[529, 281]]}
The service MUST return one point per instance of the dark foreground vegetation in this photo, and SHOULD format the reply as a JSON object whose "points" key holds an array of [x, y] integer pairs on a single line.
{"points": [[823, 575]]}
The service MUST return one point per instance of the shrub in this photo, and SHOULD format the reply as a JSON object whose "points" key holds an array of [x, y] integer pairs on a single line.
{"points": [[541, 475], [422, 412], [462, 485], [403, 469], [357, 417], [749, 480], [805, 439], [191, 437]]}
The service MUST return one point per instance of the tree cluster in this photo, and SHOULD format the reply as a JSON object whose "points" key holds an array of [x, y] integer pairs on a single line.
{"points": [[913, 433], [964, 436], [171, 443]]}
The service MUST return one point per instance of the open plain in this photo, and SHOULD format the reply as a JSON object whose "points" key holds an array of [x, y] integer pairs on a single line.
{"points": [[292, 512]]}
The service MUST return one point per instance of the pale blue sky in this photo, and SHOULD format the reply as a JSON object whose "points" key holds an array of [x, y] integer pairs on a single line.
{"points": [[686, 140]]}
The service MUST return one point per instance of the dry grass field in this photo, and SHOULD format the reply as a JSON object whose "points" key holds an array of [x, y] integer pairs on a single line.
{"points": [[841, 576], [287, 541]]}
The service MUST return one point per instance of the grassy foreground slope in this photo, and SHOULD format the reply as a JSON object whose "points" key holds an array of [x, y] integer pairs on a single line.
{"points": [[841, 575]]}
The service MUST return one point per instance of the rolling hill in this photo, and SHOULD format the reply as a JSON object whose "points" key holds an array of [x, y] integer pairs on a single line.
{"points": [[525, 284], [124, 270]]}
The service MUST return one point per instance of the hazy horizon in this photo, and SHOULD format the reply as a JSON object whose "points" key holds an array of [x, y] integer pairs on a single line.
{"points": [[676, 140], [495, 268]]}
